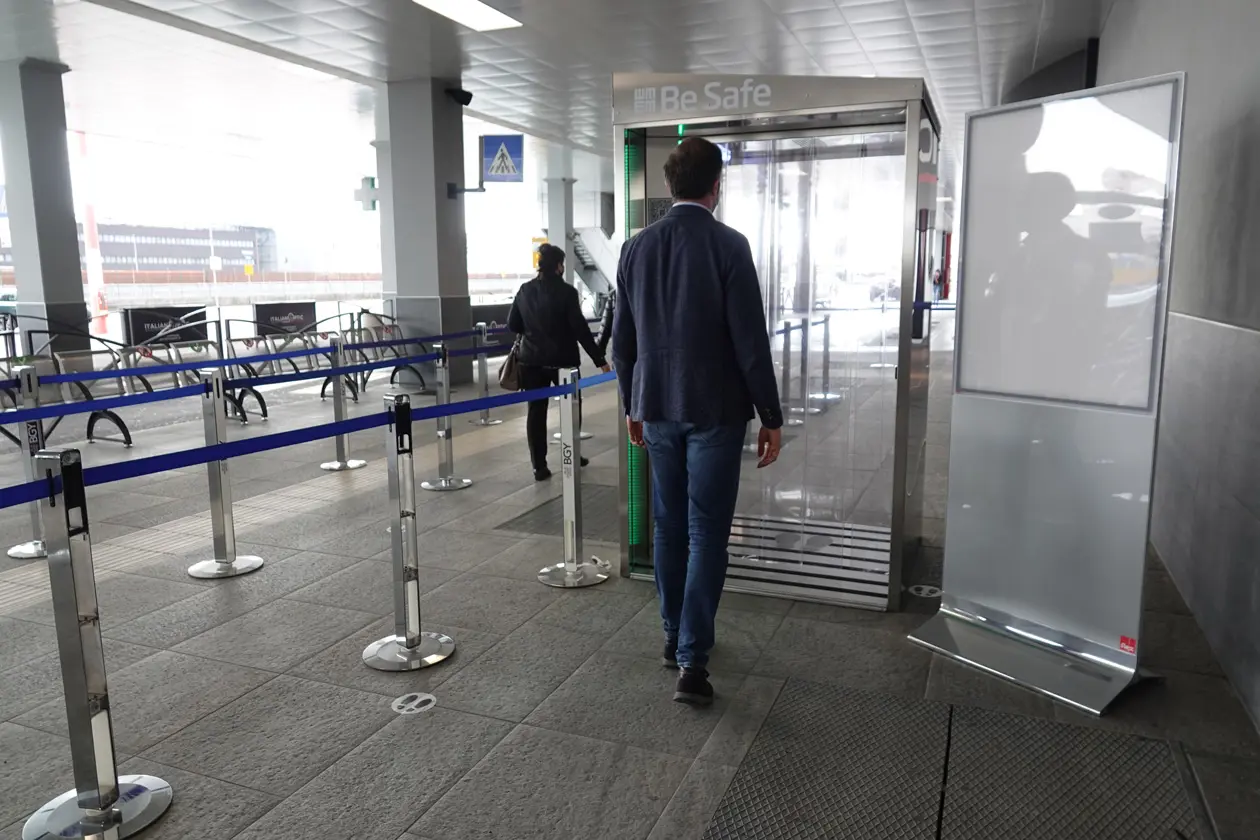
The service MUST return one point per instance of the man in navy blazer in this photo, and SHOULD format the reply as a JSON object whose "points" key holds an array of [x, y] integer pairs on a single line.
{"points": [[693, 361]]}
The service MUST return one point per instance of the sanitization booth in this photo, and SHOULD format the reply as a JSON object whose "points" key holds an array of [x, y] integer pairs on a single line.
{"points": [[833, 181]]}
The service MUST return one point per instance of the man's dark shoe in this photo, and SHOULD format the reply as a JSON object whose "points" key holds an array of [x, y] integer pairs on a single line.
{"points": [[669, 656], [586, 462], [693, 688], [542, 475]]}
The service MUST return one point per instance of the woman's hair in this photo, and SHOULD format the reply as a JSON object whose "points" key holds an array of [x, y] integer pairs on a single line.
{"points": [[549, 259]]}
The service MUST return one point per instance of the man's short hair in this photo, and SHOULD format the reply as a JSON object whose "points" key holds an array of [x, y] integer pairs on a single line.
{"points": [[693, 168], [549, 258]]}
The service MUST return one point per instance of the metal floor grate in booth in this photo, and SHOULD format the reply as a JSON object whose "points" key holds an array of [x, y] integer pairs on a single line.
{"points": [[838, 762]]}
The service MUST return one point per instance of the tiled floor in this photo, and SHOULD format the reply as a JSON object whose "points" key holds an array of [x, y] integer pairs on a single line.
{"points": [[553, 719]]}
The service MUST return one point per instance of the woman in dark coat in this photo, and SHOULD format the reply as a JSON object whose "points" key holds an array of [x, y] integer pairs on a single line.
{"points": [[547, 317]]}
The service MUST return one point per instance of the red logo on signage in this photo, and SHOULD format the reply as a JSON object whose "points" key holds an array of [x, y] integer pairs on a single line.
{"points": [[1128, 645], [249, 342], [146, 352], [323, 335]]}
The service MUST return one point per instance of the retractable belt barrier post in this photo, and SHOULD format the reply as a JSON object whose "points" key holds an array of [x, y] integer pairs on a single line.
{"points": [[28, 384], [825, 394], [582, 433], [102, 804], [785, 385], [480, 340], [574, 571], [446, 480], [339, 414], [223, 531], [803, 386], [410, 647]]}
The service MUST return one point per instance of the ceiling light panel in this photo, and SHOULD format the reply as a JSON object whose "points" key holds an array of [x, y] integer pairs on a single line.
{"points": [[474, 14]]}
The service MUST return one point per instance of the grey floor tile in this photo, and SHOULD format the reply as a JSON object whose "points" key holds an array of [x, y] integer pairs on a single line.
{"points": [[492, 604], [158, 696], [900, 623], [735, 732], [147, 517], [951, 682], [104, 503], [305, 531], [35, 683], [121, 598], [367, 586], [228, 599], [1198, 710], [342, 663], [740, 637], [688, 813], [34, 768], [408, 765], [594, 611], [277, 636], [362, 542], [630, 700], [1174, 642], [538, 784], [278, 737], [203, 807], [1231, 791], [847, 655], [444, 548], [755, 603], [524, 558], [512, 678], [1160, 594], [24, 641]]}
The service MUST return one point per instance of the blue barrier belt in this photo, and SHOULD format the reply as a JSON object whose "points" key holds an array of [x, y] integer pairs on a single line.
{"points": [[322, 373], [599, 379], [106, 473], [44, 412], [393, 342], [10, 383], [153, 370]]}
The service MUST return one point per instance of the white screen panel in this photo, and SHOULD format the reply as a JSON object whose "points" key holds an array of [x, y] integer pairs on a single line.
{"points": [[1064, 220]]}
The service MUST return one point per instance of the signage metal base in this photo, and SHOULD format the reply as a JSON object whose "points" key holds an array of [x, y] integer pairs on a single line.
{"points": [[342, 466], [141, 800], [576, 576], [440, 485], [211, 569], [581, 436], [390, 654], [1074, 680], [793, 421], [799, 409], [485, 422], [826, 396], [33, 550]]}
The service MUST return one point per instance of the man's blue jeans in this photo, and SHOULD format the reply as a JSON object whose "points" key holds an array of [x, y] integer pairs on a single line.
{"points": [[695, 476]]}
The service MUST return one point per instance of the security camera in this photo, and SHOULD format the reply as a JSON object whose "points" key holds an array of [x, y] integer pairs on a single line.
{"points": [[463, 97]]}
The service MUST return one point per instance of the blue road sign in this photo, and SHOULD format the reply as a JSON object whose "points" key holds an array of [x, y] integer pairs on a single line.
{"points": [[503, 157]]}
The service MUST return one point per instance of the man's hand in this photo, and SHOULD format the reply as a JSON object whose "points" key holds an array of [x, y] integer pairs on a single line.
{"points": [[605, 368], [769, 441], [634, 428]]}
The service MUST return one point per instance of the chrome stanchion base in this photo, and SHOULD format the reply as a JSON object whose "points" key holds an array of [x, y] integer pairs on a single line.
{"points": [[141, 800], [209, 569], [342, 466], [444, 484], [793, 421], [827, 397], [485, 422], [581, 436], [389, 654], [33, 550], [800, 409], [573, 577]]}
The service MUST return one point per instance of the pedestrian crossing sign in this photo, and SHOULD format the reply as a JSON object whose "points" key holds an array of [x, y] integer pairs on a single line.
{"points": [[503, 158]]}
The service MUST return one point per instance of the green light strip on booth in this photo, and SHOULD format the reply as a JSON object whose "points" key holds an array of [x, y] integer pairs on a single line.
{"points": [[636, 463]]}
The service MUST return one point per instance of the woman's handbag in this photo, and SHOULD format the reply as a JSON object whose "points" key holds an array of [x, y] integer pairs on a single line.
{"points": [[510, 370]]}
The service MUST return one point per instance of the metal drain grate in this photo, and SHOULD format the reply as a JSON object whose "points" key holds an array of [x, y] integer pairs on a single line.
{"points": [[835, 762], [1035, 779], [600, 518]]}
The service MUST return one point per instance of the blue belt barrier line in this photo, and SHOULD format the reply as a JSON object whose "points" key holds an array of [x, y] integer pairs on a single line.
{"points": [[10, 384], [106, 473], [393, 342], [153, 370], [600, 379], [45, 412], [401, 361]]}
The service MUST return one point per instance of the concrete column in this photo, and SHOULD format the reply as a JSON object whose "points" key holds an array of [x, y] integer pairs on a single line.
{"points": [[560, 222], [41, 202], [419, 155]]}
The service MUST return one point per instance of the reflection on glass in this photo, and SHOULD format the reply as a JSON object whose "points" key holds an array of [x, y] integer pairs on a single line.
{"points": [[1065, 214]]}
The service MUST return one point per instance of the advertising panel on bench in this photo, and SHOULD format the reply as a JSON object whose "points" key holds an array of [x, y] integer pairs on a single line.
{"points": [[279, 318], [163, 323]]}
